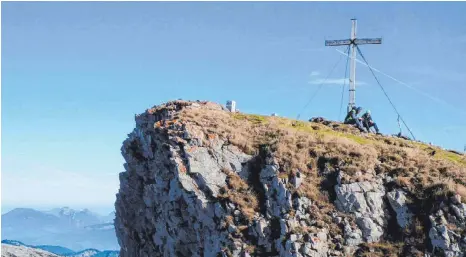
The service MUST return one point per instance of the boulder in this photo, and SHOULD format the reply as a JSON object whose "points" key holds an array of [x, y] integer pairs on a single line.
{"points": [[398, 202]]}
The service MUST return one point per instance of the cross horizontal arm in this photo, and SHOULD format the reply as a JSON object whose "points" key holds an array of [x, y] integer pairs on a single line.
{"points": [[338, 42], [363, 41], [357, 41]]}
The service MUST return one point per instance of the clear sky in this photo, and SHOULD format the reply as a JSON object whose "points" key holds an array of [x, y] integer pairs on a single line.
{"points": [[75, 73]]}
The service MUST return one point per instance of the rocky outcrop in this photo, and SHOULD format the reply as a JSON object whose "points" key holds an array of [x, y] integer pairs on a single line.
{"points": [[169, 203], [277, 197], [399, 202], [165, 205], [365, 201], [189, 190], [447, 228]]}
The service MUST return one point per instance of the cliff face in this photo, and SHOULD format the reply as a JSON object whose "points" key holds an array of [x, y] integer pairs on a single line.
{"points": [[201, 181]]}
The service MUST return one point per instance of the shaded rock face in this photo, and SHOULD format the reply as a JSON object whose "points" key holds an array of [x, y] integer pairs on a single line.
{"points": [[398, 201], [172, 200], [445, 233], [278, 198]]}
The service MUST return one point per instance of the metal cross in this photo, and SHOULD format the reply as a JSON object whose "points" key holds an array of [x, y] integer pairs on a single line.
{"points": [[353, 41]]}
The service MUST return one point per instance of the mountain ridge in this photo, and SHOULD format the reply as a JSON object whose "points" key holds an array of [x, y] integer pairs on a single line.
{"points": [[74, 229], [52, 250], [243, 184]]}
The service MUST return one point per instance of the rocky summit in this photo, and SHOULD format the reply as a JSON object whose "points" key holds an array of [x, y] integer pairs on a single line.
{"points": [[200, 180]]}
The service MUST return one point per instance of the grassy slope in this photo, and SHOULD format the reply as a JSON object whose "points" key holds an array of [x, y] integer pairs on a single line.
{"points": [[299, 143]]}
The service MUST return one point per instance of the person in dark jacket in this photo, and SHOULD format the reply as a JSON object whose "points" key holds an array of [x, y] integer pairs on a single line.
{"points": [[368, 122], [352, 118]]}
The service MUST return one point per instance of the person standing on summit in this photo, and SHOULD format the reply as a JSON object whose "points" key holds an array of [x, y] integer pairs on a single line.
{"points": [[352, 118]]}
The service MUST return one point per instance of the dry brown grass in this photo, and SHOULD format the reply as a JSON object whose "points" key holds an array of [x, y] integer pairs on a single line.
{"points": [[404, 181], [301, 230], [442, 189], [250, 249], [418, 227], [229, 220], [298, 145], [461, 190], [239, 193], [381, 249]]}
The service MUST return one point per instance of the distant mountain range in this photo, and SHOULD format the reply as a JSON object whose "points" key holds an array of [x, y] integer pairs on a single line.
{"points": [[68, 228], [22, 249], [49, 248]]}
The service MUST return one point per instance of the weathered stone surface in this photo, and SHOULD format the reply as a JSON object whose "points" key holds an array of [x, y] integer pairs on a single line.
{"points": [[370, 230], [443, 239], [459, 210], [317, 245], [365, 201], [398, 201], [456, 199], [353, 236], [206, 169], [163, 206], [439, 237], [277, 196]]}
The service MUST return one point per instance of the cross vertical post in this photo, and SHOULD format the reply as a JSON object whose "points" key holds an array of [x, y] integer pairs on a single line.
{"points": [[352, 78], [353, 41]]}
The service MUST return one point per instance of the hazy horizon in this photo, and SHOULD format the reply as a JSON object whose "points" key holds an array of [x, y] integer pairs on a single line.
{"points": [[101, 210]]}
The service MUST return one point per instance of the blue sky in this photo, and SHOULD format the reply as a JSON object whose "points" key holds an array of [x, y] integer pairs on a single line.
{"points": [[75, 73]]}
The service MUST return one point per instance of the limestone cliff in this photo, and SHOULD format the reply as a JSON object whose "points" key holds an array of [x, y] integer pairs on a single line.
{"points": [[202, 181]]}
